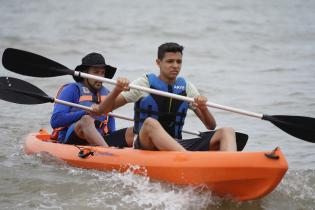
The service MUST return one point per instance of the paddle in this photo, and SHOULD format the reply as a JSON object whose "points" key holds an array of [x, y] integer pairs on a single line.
{"points": [[21, 92], [31, 64]]}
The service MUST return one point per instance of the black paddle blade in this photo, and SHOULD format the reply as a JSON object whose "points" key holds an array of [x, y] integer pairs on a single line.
{"points": [[241, 139], [297, 126], [21, 92], [30, 64]]}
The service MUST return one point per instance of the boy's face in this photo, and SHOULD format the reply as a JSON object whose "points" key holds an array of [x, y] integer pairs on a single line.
{"points": [[170, 65]]}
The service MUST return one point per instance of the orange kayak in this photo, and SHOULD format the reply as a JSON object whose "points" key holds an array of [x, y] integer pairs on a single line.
{"points": [[239, 175]]}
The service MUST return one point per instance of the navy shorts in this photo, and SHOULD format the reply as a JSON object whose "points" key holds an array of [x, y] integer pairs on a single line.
{"points": [[72, 138], [114, 139], [117, 138], [201, 143]]}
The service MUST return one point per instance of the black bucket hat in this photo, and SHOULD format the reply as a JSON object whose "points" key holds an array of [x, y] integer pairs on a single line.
{"points": [[95, 60]]}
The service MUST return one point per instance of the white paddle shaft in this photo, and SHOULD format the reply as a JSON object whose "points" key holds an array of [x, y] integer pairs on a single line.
{"points": [[89, 109], [170, 95]]}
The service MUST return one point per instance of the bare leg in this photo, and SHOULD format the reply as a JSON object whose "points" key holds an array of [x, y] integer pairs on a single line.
{"points": [[153, 137], [224, 140], [85, 129], [129, 136]]}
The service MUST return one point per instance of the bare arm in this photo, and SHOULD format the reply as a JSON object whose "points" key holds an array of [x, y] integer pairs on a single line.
{"points": [[114, 99], [203, 113]]}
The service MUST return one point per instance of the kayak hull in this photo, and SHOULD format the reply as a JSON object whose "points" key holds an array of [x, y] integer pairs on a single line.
{"points": [[239, 175]]}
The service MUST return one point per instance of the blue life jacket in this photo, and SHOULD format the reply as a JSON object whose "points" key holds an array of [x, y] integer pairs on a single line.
{"points": [[169, 112], [87, 98]]}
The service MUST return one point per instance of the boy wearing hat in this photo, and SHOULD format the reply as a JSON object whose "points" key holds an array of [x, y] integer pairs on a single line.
{"points": [[76, 126]]}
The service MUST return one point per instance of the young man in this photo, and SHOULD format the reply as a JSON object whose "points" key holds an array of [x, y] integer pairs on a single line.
{"points": [[159, 120], [76, 126]]}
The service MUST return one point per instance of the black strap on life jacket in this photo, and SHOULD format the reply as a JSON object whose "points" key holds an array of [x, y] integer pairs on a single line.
{"points": [[168, 111]]}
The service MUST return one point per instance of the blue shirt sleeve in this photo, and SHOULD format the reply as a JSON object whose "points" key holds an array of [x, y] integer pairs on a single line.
{"points": [[62, 115], [111, 124]]}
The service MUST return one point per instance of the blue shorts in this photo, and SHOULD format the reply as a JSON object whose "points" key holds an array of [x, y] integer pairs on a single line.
{"points": [[195, 144]]}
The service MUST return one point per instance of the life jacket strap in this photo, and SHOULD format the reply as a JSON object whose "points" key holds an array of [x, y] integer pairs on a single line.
{"points": [[102, 125]]}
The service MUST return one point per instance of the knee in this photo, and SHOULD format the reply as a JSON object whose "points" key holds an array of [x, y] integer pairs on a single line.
{"points": [[227, 131], [86, 120], [150, 123]]}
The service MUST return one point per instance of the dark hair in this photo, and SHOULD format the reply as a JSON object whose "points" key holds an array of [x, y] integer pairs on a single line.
{"points": [[169, 47]]}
